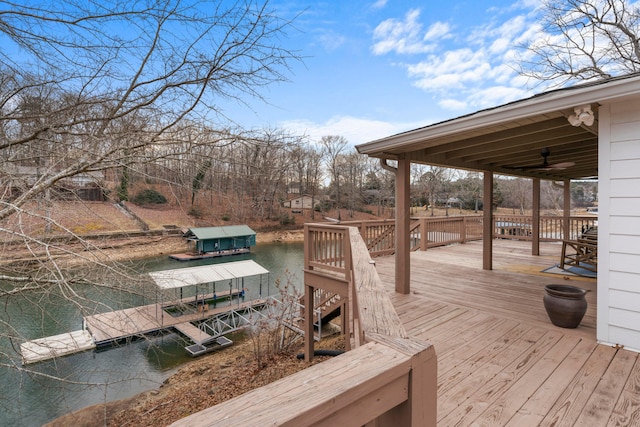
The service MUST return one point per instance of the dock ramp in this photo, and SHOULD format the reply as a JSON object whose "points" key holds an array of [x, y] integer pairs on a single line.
{"points": [[192, 332]]}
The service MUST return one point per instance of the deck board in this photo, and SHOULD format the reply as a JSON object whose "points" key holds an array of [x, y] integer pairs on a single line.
{"points": [[571, 403], [55, 346], [600, 406], [627, 409], [500, 360]]}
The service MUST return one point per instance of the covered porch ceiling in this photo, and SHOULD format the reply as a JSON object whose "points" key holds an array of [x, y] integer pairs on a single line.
{"points": [[509, 139], [512, 148]]}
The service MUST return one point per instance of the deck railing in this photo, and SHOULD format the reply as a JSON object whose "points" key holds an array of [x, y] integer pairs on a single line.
{"points": [[379, 236], [370, 321], [386, 379], [552, 228], [441, 231]]}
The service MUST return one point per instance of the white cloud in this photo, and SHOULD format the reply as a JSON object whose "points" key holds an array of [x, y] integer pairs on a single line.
{"points": [[469, 69], [453, 104], [379, 4], [403, 37], [439, 30], [331, 41], [356, 130], [496, 95], [451, 71]]}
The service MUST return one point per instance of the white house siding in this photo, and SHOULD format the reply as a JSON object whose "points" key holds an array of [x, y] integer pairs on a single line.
{"points": [[619, 225]]}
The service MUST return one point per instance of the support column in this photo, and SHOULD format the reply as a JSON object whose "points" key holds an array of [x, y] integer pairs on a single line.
{"points": [[308, 323], [487, 222], [535, 226], [403, 249], [566, 214]]}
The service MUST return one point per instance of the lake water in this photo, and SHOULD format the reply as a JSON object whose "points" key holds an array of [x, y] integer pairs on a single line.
{"points": [[34, 398]]}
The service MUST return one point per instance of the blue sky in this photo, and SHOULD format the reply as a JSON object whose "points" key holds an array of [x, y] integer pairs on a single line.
{"points": [[375, 68]]}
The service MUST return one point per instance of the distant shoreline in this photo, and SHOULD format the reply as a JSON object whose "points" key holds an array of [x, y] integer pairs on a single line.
{"points": [[125, 249]]}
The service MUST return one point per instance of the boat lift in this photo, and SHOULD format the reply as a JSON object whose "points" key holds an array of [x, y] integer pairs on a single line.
{"points": [[272, 310]]}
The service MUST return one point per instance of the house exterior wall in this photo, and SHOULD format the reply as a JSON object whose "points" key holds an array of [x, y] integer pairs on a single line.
{"points": [[619, 224], [304, 202]]}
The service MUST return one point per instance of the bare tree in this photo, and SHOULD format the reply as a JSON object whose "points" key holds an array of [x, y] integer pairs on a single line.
{"points": [[333, 146], [307, 171], [585, 40], [82, 96], [108, 89], [352, 168], [435, 183], [552, 195], [517, 194], [470, 187]]}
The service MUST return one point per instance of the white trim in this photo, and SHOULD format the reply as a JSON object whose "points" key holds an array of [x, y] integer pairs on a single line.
{"points": [[604, 228]]}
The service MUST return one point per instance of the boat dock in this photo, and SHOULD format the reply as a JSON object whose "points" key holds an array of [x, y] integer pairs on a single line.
{"points": [[118, 325], [115, 326], [192, 256]]}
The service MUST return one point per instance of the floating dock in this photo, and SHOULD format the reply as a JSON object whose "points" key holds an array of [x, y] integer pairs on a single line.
{"points": [[191, 256], [215, 345], [58, 345], [104, 329]]}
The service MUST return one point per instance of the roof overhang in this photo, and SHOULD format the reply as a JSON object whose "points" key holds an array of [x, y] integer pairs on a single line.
{"points": [[505, 138]]}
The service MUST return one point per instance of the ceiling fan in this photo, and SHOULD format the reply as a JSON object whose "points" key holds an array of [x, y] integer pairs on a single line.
{"points": [[545, 166]]}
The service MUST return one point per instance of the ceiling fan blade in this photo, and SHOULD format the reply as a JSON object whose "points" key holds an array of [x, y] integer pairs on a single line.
{"points": [[543, 167], [562, 165], [528, 168]]}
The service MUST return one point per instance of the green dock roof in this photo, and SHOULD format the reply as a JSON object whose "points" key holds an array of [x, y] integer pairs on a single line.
{"points": [[228, 231]]}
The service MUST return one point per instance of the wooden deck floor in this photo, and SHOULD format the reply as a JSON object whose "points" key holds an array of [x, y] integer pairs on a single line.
{"points": [[500, 360]]}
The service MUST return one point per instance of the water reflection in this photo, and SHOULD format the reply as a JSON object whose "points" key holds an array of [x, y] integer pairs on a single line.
{"points": [[33, 398]]}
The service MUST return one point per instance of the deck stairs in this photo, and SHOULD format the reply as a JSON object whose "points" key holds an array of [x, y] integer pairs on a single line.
{"points": [[327, 307], [328, 304]]}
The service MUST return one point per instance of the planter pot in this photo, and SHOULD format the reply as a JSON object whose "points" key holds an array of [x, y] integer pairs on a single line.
{"points": [[565, 305]]}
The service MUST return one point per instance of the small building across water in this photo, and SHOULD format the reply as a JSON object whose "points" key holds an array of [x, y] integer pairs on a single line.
{"points": [[217, 239]]}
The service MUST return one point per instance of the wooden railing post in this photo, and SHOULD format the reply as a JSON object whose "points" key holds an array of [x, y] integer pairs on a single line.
{"points": [[535, 220], [308, 323], [421, 409], [463, 230], [424, 234]]}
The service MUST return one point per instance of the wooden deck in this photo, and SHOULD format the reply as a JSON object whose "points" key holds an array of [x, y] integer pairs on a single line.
{"points": [[500, 360]]}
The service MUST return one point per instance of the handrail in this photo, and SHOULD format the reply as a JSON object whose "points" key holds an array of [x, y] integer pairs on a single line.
{"points": [[388, 379], [430, 232], [551, 228], [371, 318]]}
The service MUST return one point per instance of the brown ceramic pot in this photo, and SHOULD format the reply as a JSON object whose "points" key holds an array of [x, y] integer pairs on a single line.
{"points": [[565, 305]]}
